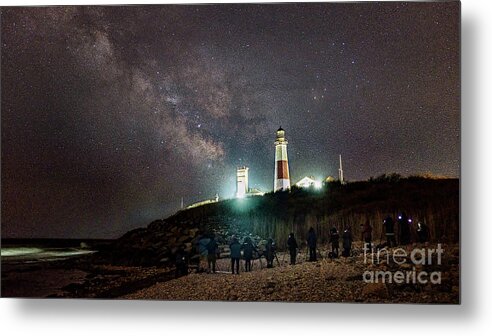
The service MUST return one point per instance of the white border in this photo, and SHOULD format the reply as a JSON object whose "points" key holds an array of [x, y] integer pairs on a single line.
{"points": [[87, 317]]}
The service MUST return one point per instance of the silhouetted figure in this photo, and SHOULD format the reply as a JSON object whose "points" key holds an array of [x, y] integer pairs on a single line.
{"points": [[203, 250], [292, 246], [270, 252], [347, 242], [311, 242], [235, 254], [404, 228], [367, 234], [422, 232], [212, 253], [335, 242], [181, 263], [389, 229], [248, 249]]}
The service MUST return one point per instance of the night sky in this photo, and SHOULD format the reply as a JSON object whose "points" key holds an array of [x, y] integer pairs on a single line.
{"points": [[111, 114]]}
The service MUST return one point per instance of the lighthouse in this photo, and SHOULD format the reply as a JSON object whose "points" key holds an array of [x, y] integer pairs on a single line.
{"points": [[281, 178]]}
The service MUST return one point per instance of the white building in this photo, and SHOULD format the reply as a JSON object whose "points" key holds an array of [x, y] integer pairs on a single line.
{"points": [[242, 183], [308, 182], [255, 192]]}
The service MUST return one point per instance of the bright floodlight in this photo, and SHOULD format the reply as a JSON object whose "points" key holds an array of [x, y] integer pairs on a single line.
{"points": [[317, 184]]}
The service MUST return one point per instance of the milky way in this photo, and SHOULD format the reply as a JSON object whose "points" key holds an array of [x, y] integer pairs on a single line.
{"points": [[111, 114]]}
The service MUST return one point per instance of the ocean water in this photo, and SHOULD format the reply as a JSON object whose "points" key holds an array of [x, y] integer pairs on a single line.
{"points": [[27, 254]]}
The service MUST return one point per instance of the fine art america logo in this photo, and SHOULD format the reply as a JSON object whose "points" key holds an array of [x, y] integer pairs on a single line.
{"points": [[418, 256]]}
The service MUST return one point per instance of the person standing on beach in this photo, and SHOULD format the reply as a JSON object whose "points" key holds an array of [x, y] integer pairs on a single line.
{"points": [[181, 262], [235, 254], [335, 242], [422, 232], [389, 228], [203, 251], [367, 234], [404, 228], [270, 252], [212, 253], [292, 245], [248, 249], [311, 242], [347, 242]]}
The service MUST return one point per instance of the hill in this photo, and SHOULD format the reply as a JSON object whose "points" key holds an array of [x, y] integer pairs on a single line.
{"points": [[432, 201]]}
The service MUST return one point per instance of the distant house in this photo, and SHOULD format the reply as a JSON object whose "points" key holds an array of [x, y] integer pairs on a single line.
{"points": [[308, 182], [329, 179], [255, 192], [209, 201]]}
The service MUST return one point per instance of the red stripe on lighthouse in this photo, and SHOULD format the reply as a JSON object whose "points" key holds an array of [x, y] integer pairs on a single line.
{"points": [[282, 170]]}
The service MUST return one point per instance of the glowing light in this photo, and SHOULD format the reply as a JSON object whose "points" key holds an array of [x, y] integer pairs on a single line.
{"points": [[317, 184]]}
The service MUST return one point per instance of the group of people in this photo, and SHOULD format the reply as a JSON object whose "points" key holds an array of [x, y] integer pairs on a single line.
{"points": [[293, 247], [208, 250], [248, 249], [311, 241], [404, 230], [208, 247], [404, 237]]}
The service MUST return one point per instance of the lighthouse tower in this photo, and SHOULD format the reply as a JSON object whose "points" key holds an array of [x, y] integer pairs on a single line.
{"points": [[281, 178]]}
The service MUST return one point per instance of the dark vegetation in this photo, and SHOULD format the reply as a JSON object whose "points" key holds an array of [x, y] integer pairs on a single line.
{"points": [[434, 202]]}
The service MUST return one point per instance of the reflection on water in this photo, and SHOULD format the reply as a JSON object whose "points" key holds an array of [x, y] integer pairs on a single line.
{"points": [[33, 254]]}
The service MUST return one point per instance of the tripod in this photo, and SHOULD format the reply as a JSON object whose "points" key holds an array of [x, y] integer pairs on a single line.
{"points": [[275, 257]]}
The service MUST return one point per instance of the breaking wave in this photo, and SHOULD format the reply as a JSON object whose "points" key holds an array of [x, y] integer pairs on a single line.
{"points": [[40, 254]]}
